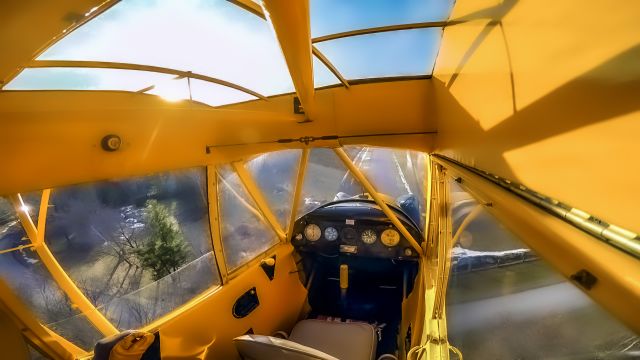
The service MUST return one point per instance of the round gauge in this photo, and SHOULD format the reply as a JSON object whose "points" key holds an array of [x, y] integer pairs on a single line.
{"points": [[390, 237], [349, 235], [312, 232], [330, 233], [369, 236]]}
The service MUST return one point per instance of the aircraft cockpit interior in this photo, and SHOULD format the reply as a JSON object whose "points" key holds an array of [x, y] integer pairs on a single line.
{"points": [[319, 179]]}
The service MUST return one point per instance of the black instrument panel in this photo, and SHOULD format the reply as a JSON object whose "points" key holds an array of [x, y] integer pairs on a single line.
{"points": [[355, 228]]}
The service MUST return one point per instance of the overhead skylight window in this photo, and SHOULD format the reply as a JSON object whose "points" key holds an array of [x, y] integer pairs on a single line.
{"points": [[321, 75], [164, 85], [334, 16], [386, 54], [213, 38], [215, 95], [85, 79]]}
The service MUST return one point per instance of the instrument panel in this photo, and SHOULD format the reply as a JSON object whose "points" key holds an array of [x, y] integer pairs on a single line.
{"points": [[353, 228]]}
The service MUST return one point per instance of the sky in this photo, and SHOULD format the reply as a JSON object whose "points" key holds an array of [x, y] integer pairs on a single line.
{"points": [[221, 40]]}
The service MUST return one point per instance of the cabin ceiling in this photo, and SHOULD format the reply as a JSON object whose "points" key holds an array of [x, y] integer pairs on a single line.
{"points": [[526, 89]]}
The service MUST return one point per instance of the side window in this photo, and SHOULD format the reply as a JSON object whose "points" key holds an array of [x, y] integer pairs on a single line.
{"points": [[25, 274], [138, 248], [244, 231], [275, 174], [504, 302]]}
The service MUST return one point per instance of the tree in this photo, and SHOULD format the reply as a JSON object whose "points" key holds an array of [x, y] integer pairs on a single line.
{"points": [[165, 250]]}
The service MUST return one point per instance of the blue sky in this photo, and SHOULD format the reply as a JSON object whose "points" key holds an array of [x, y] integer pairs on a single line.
{"points": [[219, 39]]}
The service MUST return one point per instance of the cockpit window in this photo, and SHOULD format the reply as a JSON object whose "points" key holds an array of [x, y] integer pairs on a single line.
{"points": [[326, 179], [244, 230], [137, 248], [398, 174], [504, 302], [124, 243], [275, 174], [25, 274]]}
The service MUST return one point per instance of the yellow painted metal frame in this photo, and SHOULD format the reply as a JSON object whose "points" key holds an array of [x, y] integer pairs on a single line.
{"points": [[374, 30], [67, 285], [285, 16], [302, 169], [429, 332], [257, 196], [565, 247], [214, 222], [21, 247], [329, 66], [37, 334], [255, 9], [251, 6], [376, 197]]}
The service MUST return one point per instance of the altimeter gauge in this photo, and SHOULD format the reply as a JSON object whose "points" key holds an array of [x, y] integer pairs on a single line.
{"points": [[330, 233], [390, 237], [369, 236], [312, 232]]}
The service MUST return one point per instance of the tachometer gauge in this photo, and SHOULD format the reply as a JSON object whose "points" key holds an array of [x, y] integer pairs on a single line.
{"points": [[369, 236], [330, 233], [312, 232], [390, 237]]}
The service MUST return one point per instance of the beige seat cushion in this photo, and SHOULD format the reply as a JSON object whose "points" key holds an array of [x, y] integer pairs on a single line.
{"points": [[260, 347], [345, 341]]}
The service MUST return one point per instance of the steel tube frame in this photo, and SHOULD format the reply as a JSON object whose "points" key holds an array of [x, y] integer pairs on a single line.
{"points": [[302, 169], [255, 193], [373, 30], [214, 223], [63, 280], [39, 335], [376, 197], [255, 9], [323, 59], [284, 16], [565, 247]]}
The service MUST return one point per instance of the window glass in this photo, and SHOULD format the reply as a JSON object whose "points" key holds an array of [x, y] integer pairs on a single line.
{"points": [[215, 95], [398, 174], [503, 302], [322, 76], [166, 86], [148, 303], [245, 233], [275, 173], [334, 16], [116, 238], [171, 89], [25, 274], [209, 37], [85, 79], [387, 54], [326, 179], [9, 224]]}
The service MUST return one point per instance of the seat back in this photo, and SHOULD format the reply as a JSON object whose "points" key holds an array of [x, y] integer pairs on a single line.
{"points": [[260, 347]]}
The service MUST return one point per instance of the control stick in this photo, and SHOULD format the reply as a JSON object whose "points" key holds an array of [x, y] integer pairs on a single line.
{"points": [[344, 285]]}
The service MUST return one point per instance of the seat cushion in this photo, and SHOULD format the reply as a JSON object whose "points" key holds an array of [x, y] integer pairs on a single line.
{"points": [[260, 347], [344, 340]]}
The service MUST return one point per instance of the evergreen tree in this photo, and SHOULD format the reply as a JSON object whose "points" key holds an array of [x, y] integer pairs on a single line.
{"points": [[165, 249]]}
